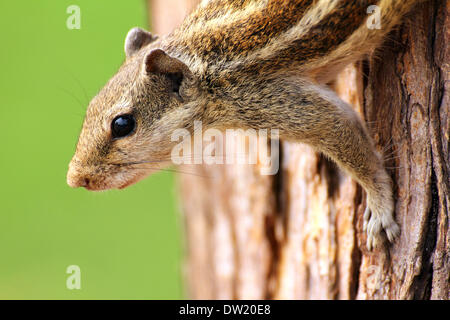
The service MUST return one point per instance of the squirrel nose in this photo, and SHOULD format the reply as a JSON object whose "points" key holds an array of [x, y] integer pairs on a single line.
{"points": [[75, 179]]}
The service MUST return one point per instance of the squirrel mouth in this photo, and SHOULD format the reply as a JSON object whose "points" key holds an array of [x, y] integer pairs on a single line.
{"points": [[124, 186], [96, 188], [127, 184]]}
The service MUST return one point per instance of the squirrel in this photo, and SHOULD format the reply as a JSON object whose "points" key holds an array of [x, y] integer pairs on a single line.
{"points": [[242, 64]]}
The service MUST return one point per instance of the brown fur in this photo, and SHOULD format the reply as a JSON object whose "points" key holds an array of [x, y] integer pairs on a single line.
{"points": [[242, 64]]}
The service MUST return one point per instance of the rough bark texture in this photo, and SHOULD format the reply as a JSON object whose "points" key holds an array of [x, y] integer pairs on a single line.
{"points": [[298, 234]]}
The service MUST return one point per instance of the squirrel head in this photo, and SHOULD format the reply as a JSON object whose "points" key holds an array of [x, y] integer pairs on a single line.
{"points": [[127, 129]]}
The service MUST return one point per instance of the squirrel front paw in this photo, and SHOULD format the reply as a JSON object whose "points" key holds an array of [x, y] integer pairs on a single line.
{"points": [[379, 217]]}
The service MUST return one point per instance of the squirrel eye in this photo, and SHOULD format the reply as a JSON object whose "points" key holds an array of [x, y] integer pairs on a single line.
{"points": [[123, 125]]}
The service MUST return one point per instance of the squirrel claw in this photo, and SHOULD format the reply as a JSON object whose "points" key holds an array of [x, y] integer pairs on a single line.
{"points": [[375, 223]]}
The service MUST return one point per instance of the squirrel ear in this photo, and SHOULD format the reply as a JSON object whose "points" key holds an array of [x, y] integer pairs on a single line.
{"points": [[136, 39], [159, 62]]}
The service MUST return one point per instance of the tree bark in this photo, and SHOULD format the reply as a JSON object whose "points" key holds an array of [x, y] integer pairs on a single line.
{"points": [[298, 234]]}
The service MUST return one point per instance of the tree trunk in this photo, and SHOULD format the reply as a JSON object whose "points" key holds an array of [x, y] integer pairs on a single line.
{"points": [[298, 234]]}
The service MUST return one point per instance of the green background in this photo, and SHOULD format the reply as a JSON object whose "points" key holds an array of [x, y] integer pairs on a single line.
{"points": [[127, 243]]}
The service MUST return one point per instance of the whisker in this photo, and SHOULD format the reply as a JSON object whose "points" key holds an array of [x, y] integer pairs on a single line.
{"points": [[399, 167], [82, 88], [131, 164], [72, 95], [391, 158], [185, 158], [173, 171], [123, 164], [387, 147]]}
